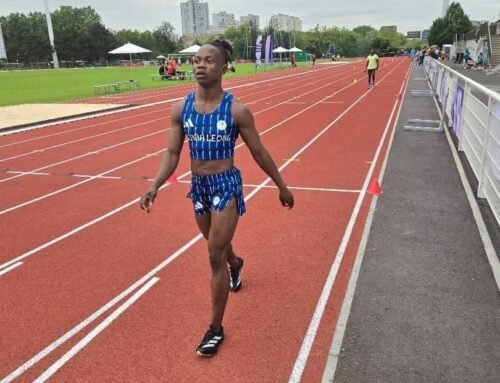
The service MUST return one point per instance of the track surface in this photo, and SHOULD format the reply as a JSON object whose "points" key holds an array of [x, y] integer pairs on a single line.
{"points": [[93, 289]]}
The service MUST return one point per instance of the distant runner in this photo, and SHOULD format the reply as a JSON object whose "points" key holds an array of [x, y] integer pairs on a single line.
{"points": [[371, 67]]}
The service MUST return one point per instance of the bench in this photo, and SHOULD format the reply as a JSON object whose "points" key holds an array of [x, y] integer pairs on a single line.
{"points": [[116, 86], [130, 84], [106, 88], [161, 76]]}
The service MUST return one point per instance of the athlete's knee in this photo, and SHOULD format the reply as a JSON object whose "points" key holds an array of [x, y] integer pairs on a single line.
{"points": [[217, 254]]}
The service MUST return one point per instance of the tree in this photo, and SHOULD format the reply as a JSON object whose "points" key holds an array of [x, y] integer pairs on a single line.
{"points": [[26, 37], [363, 30], [439, 33], [79, 34], [443, 30], [164, 39]]}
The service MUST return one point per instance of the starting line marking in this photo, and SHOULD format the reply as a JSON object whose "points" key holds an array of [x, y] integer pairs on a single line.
{"points": [[304, 188]]}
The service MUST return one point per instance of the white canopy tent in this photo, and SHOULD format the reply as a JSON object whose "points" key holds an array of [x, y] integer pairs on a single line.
{"points": [[280, 50], [295, 49], [192, 49], [129, 49]]}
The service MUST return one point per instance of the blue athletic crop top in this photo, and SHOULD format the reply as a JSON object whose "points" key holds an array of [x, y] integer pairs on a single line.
{"points": [[211, 136]]}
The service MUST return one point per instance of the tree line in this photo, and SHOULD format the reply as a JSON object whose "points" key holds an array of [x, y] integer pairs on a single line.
{"points": [[80, 34]]}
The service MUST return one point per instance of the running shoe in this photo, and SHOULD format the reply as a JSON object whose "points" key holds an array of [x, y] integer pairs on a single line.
{"points": [[211, 342], [235, 281]]}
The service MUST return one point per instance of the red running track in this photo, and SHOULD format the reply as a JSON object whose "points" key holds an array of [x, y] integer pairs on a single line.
{"points": [[76, 247]]}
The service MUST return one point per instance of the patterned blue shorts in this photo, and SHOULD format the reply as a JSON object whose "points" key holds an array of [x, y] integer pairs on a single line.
{"points": [[213, 192]]}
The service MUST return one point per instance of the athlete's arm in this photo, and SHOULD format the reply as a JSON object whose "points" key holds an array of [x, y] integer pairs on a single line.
{"points": [[245, 122], [170, 159]]}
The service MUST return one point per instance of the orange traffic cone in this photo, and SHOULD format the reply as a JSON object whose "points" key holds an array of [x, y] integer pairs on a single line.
{"points": [[173, 179], [374, 188]]}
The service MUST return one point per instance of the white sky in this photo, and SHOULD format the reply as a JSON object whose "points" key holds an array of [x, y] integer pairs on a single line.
{"points": [[408, 15]]}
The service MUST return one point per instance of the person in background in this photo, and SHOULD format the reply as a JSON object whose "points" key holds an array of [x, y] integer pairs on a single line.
{"points": [[371, 66]]}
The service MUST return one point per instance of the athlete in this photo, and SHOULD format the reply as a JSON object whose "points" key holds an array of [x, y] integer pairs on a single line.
{"points": [[211, 119], [371, 66]]}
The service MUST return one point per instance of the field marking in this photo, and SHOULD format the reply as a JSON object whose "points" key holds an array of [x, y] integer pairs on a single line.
{"points": [[95, 332], [142, 178], [86, 154], [10, 268]]}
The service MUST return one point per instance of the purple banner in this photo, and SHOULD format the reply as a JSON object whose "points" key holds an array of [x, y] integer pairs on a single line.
{"points": [[267, 53], [456, 111]]}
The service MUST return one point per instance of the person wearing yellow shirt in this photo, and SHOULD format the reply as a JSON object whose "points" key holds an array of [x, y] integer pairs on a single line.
{"points": [[371, 67]]}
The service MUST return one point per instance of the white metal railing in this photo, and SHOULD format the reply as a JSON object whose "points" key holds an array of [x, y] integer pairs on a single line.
{"points": [[474, 113]]}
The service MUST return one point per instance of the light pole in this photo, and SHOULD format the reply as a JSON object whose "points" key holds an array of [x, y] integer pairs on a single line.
{"points": [[51, 35]]}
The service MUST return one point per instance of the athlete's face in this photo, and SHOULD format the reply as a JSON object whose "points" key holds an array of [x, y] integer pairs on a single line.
{"points": [[208, 65]]}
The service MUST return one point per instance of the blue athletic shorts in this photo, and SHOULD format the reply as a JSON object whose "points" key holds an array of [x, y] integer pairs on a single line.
{"points": [[213, 192]]}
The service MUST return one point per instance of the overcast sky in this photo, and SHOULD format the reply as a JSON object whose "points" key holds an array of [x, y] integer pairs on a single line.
{"points": [[408, 15]]}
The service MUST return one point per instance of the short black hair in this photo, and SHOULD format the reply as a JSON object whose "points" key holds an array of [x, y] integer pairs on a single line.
{"points": [[224, 48]]}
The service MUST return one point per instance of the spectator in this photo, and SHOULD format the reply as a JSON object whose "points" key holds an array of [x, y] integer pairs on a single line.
{"points": [[480, 60]]}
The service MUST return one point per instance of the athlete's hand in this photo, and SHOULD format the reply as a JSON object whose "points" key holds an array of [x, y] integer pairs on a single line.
{"points": [[147, 199], [286, 198]]}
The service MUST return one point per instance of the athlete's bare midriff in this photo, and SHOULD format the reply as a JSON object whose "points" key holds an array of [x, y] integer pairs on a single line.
{"points": [[205, 168]]}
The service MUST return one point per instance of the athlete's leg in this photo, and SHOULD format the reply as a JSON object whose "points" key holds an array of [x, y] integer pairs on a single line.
{"points": [[222, 227], [203, 222]]}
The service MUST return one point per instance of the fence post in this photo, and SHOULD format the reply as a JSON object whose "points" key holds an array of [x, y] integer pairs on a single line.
{"points": [[484, 154], [462, 116]]}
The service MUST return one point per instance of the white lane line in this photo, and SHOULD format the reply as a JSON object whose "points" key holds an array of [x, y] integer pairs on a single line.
{"points": [[135, 107], [182, 182], [304, 188], [69, 187], [89, 153], [83, 139], [305, 349], [77, 129], [95, 332], [27, 173], [54, 345], [29, 202], [338, 336], [11, 267], [77, 229]]}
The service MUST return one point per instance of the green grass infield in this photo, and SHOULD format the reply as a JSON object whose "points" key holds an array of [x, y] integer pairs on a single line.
{"points": [[49, 85]]}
